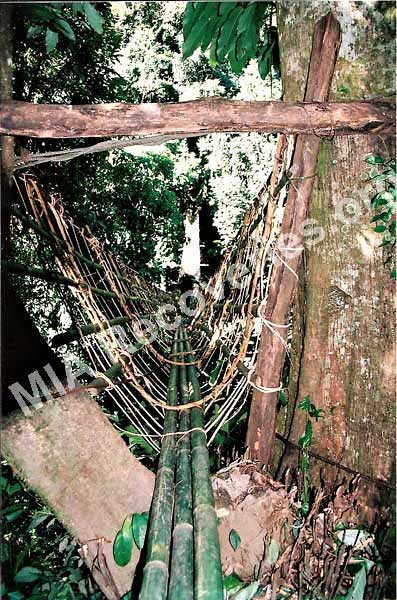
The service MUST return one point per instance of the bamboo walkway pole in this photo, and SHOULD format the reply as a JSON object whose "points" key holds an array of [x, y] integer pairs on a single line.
{"points": [[181, 576], [208, 583], [155, 573]]}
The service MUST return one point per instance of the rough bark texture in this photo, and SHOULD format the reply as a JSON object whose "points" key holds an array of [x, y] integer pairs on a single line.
{"points": [[344, 356], [283, 281], [70, 454], [198, 117]]}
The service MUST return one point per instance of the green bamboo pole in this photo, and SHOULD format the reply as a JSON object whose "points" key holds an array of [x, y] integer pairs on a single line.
{"points": [[181, 576], [155, 573], [208, 583]]}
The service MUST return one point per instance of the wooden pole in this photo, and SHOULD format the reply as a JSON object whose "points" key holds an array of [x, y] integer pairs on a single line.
{"points": [[54, 277], [283, 282], [199, 117]]}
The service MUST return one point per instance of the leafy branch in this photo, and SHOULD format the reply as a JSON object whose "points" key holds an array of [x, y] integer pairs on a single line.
{"points": [[384, 204], [238, 31], [49, 19]]}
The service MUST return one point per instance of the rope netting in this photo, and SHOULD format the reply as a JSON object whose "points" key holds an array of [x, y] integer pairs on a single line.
{"points": [[126, 325]]}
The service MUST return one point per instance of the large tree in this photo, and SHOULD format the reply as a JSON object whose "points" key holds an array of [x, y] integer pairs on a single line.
{"points": [[343, 334]]}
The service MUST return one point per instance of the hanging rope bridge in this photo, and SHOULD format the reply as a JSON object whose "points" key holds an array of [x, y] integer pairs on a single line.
{"points": [[177, 394]]}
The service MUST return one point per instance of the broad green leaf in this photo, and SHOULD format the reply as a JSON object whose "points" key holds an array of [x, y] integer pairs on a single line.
{"points": [[357, 588], [212, 26], [64, 27], [374, 160], [248, 29], [380, 228], [14, 515], [205, 13], [232, 583], [51, 40], [27, 575], [34, 30], [123, 543], [227, 37], [247, 593], [95, 20], [42, 13], [189, 19], [15, 596], [265, 60], [393, 274], [139, 527], [236, 62], [78, 7], [234, 539], [306, 439], [38, 518]]}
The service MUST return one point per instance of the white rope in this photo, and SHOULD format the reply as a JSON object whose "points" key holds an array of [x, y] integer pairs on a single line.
{"points": [[261, 388]]}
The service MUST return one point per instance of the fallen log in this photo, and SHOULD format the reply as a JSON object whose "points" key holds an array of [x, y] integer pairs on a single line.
{"points": [[199, 117]]}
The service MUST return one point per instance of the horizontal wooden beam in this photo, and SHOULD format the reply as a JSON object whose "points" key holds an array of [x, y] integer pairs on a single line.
{"points": [[200, 117]]}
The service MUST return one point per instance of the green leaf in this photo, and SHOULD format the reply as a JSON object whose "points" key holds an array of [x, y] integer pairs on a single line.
{"points": [[393, 274], [232, 583], [42, 13], [247, 28], [273, 552], [139, 527], [357, 588], [265, 60], [212, 27], [234, 539], [15, 596], [215, 371], [236, 57], [27, 575], [305, 404], [38, 518], [374, 160], [282, 398], [198, 33], [227, 37], [78, 7], [248, 592], [14, 515], [34, 30], [380, 228], [123, 543], [95, 20], [64, 27], [51, 40], [306, 439], [189, 19]]}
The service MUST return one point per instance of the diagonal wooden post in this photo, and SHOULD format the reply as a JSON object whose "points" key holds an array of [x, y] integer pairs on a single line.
{"points": [[283, 283]]}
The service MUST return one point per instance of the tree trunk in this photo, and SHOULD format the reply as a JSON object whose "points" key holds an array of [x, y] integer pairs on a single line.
{"points": [[69, 453], [343, 342]]}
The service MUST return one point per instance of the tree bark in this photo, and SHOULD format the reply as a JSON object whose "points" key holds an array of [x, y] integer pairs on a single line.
{"points": [[23, 348], [69, 453], [198, 117], [283, 281], [343, 347]]}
